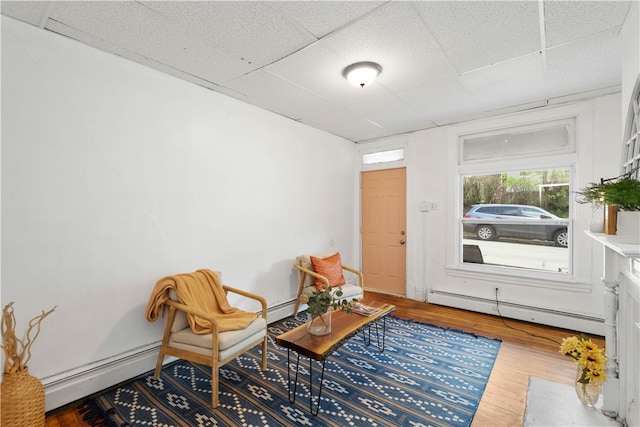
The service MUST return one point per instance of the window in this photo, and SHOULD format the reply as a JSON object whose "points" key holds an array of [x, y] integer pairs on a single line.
{"points": [[517, 219], [517, 225], [550, 138], [383, 156], [631, 148]]}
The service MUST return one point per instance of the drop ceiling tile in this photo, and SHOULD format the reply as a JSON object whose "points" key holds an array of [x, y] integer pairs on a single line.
{"points": [[393, 114], [318, 69], [104, 46], [586, 64], [135, 28], [442, 101], [252, 30], [267, 91], [345, 124], [27, 11], [323, 17], [566, 21], [396, 38], [476, 34], [515, 82]]}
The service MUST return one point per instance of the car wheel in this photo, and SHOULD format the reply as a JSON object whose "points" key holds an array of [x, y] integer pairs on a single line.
{"points": [[485, 232], [561, 238]]}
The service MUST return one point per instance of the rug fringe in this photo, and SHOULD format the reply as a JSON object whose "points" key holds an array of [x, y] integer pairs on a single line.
{"points": [[95, 416]]}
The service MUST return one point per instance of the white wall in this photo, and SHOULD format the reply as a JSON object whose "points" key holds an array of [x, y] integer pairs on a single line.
{"points": [[115, 175]]}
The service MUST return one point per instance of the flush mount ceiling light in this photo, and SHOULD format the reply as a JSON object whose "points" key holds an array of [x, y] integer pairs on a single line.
{"points": [[362, 74]]}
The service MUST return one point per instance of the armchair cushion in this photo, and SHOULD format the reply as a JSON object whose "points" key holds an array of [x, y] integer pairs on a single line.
{"points": [[225, 339], [331, 268], [349, 291]]}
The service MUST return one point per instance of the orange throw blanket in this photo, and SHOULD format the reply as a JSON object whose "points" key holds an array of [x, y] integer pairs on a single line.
{"points": [[203, 291]]}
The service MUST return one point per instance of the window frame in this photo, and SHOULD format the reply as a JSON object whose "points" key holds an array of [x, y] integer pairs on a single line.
{"points": [[544, 161], [631, 142], [372, 148]]}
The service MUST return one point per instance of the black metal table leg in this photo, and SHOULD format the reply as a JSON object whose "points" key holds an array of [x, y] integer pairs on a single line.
{"points": [[367, 334], [384, 333], [315, 413], [293, 385], [292, 396]]}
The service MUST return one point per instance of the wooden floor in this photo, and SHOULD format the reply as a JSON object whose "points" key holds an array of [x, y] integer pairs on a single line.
{"points": [[527, 350]]}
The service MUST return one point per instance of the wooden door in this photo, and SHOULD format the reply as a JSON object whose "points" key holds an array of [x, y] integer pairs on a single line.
{"points": [[384, 230]]}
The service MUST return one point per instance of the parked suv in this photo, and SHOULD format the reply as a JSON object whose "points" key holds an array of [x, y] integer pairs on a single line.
{"points": [[534, 226]]}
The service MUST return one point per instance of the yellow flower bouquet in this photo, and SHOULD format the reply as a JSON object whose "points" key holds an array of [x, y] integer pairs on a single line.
{"points": [[589, 357]]}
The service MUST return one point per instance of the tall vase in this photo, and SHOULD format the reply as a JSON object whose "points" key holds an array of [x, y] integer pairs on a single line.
{"points": [[610, 219], [587, 393], [22, 400], [596, 223], [320, 325]]}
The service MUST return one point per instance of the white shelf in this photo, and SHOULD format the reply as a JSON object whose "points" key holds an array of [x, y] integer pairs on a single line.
{"points": [[614, 242]]}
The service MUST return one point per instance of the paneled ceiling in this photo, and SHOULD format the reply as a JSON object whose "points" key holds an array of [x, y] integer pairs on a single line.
{"points": [[443, 61]]}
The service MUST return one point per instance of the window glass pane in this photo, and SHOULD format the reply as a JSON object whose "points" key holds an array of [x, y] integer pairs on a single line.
{"points": [[383, 156], [553, 139], [517, 219], [631, 147]]}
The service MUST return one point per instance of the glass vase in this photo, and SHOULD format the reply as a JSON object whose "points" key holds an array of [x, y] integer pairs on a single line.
{"points": [[587, 393], [320, 325]]}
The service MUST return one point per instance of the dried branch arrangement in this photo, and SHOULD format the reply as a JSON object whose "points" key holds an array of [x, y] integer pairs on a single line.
{"points": [[18, 352]]}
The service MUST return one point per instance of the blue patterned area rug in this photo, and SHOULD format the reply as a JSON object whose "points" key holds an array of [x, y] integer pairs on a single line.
{"points": [[426, 376]]}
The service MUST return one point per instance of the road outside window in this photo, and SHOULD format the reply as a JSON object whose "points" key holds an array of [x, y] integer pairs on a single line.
{"points": [[517, 219]]}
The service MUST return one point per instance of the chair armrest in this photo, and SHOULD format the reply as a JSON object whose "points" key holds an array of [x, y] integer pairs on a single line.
{"points": [[261, 300], [325, 280], [187, 309], [312, 273], [357, 273]]}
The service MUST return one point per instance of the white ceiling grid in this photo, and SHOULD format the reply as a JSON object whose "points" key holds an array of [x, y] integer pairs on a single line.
{"points": [[443, 61]]}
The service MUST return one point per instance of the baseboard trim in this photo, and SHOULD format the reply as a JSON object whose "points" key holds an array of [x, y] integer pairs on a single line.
{"points": [[558, 319], [75, 384], [72, 385]]}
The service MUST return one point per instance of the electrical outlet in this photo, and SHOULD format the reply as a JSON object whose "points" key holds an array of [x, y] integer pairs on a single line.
{"points": [[434, 206], [424, 207]]}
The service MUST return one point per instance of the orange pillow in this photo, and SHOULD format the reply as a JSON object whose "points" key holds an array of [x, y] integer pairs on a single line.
{"points": [[329, 267]]}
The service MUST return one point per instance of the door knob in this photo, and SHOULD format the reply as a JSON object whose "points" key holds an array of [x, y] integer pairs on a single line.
{"points": [[402, 242]]}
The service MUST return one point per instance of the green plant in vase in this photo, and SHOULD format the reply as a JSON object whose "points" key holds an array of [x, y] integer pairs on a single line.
{"points": [[622, 191], [320, 305], [617, 196]]}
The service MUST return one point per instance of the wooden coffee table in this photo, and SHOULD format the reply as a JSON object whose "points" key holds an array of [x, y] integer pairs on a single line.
{"points": [[343, 327]]}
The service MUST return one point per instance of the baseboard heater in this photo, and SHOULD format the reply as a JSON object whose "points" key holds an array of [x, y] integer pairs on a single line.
{"points": [[547, 316], [76, 383]]}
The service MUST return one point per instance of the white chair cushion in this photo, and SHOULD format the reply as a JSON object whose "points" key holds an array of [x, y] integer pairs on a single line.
{"points": [[225, 339], [349, 291]]}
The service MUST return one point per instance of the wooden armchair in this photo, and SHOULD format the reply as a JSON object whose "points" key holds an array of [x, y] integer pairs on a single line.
{"points": [[213, 349], [307, 276]]}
